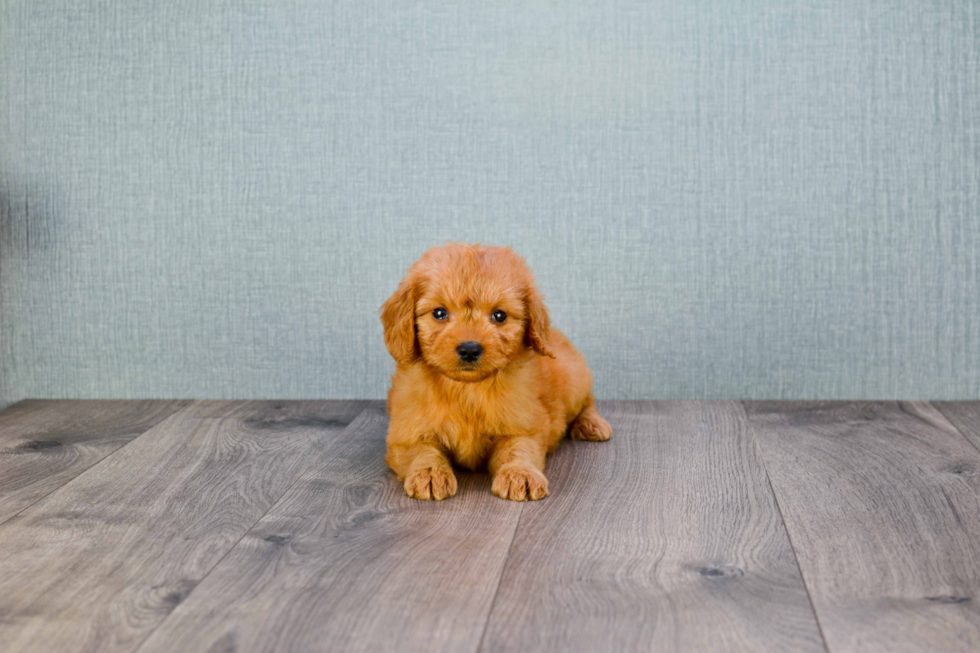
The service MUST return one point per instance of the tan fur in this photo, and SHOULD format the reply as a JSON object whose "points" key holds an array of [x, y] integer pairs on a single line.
{"points": [[506, 412]]}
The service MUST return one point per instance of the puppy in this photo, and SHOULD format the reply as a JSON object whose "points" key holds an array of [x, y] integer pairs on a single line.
{"points": [[482, 380]]}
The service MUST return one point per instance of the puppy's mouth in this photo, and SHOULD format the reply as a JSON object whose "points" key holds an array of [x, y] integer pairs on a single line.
{"points": [[460, 370], [468, 372]]}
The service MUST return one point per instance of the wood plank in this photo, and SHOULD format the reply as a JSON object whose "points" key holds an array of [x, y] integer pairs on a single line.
{"points": [[44, 444], [346, 561], [99, 563], [965, 416], [882, 503], [666, 538]]}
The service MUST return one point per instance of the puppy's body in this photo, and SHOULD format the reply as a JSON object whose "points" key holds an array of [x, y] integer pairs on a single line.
{"points": [[504, 411], [536, 397]]}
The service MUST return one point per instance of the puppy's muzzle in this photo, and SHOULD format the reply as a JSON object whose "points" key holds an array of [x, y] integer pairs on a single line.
{"points": [[469, 351]]}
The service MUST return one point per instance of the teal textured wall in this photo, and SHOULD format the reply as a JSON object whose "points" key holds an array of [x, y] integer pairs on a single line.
{"points": [[720, 199]]}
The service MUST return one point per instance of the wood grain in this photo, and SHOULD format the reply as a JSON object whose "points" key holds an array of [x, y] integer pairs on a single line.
{"points": [[965, 416], [45, 444], [882, 502], [346, 561], [99, 563], [665, 538]]}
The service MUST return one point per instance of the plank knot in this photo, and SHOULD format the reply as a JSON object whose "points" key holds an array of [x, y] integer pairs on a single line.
{"points": [[38, 445], [963, 469], [948, 599], [720, 571]]}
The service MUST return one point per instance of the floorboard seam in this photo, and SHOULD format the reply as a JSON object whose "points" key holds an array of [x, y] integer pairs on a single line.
{"points": [[959, 431], [789, 537], [96, 463], [503, 568], [275, 503]]}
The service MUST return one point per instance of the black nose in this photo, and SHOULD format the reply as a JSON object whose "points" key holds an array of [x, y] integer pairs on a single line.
{"points": [[469, 351]]}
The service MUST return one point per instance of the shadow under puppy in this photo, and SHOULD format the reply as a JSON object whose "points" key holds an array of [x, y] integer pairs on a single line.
{"points": [[482, 379]]}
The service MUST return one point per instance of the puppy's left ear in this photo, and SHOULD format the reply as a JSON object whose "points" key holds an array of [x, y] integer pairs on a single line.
{"points": [[398, 318], [538, 322]]}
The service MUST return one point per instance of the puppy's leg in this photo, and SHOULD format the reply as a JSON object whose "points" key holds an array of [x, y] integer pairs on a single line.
{"points": [[590, 425], [425, 469], [517, 468]]}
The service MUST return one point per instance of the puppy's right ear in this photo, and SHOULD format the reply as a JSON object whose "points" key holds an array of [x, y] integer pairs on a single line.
{"points": [[398, 318], [538, 322]]}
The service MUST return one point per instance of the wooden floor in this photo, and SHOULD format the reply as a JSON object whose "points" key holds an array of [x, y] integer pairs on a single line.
{"points": [[701, 526]]}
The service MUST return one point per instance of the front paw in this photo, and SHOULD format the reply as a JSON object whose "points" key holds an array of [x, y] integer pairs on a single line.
{"points": [[520, 483], [435, 483]]}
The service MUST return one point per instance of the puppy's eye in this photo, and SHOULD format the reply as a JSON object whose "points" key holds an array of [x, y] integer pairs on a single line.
{"points": [[440, 314], [498, 316]]}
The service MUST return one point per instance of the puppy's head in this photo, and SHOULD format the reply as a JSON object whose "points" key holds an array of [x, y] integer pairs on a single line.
{"points": [[467, 311]]}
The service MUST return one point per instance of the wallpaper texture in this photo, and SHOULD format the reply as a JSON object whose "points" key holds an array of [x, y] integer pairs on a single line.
{"points": [[719, 199]]}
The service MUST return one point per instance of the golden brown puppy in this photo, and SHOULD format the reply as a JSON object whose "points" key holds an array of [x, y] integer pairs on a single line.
{"points": [[482, 380]]}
